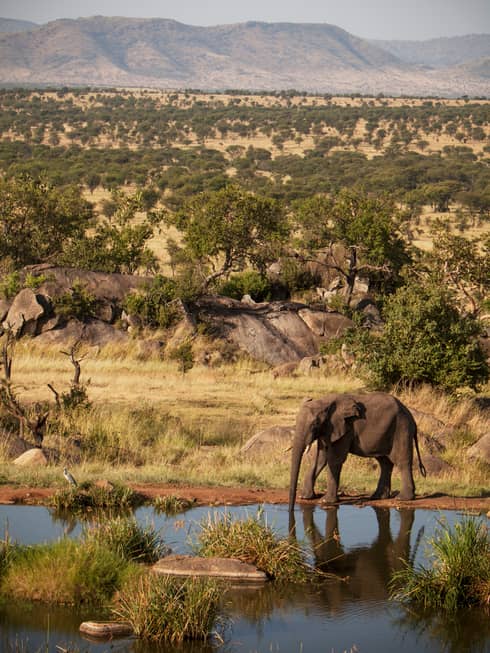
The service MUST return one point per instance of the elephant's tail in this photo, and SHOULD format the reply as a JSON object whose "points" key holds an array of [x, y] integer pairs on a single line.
{"points": [[423, 471]]}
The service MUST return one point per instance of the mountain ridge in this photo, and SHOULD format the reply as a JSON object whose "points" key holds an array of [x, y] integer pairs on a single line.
{"points": [[159, 52]]}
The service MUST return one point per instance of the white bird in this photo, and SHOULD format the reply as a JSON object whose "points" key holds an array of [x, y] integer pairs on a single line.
{"points": [[69, 477]]}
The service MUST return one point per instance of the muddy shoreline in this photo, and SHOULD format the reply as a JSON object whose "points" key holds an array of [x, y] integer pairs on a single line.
{"points": [[10, 494]]}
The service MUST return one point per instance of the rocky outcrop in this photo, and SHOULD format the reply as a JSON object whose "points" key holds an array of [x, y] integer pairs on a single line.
{"points": [[276, 332]]}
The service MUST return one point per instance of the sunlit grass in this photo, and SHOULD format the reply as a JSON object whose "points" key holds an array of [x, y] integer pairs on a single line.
{"points": [[458, 574], [150, 424]]}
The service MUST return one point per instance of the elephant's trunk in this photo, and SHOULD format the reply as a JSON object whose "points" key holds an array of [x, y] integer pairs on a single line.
{"points": [[296, 456]]}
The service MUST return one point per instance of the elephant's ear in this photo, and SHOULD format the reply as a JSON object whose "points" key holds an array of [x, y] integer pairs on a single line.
{"points": [[345, 408]]}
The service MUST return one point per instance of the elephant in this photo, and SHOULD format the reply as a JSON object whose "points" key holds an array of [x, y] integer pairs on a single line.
{"points": [[375, 425]]}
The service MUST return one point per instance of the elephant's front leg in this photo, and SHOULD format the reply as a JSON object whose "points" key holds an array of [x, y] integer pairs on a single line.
{"points": [[308, 491], [383, 491]]}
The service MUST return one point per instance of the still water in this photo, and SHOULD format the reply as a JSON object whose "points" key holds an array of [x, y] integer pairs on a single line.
{"points": [[361, 545]]}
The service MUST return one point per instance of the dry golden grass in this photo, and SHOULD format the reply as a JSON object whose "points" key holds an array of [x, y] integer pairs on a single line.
{"points": [[196, 423]]}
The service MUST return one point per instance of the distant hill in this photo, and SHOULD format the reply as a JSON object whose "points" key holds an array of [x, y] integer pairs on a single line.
{"points": [[8, 25], [440, 53], [165, 53]]}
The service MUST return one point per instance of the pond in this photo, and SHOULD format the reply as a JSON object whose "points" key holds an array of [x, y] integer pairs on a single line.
{"points": [[362, 546]]}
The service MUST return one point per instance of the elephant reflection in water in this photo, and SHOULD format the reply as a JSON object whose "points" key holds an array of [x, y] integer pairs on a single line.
{"points": [[368, 568]]}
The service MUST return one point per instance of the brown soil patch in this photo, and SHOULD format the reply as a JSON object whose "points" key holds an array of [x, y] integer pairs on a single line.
{"points": [[242, 496]]}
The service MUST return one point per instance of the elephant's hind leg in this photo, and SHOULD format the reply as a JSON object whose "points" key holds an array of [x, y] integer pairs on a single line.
{"points": [[383, 491], [408, 486]]}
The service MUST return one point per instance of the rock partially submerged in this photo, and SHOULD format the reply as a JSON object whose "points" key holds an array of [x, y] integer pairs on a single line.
{"points": [[226, 568], [105, 629]]}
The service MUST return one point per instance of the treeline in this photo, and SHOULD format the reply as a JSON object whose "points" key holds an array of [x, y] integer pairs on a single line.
{"points": [[431, 303]]}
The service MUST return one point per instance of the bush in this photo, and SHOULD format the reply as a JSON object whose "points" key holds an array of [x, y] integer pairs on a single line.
{"points": [[247, 283], [162, 608], [155, 305], [76, 303], [424, 340], [460, 572]]}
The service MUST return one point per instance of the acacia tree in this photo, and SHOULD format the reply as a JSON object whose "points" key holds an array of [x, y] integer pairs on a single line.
{"points": [[38, 220], [365, 227], [462, 264], [226, 230]]}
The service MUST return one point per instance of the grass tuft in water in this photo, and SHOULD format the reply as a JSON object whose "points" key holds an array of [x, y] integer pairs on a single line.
{"points": [[65, 572], [460, 572], [88, 496], [253, 541], [172, 505], [162, 608], [127, 539]]}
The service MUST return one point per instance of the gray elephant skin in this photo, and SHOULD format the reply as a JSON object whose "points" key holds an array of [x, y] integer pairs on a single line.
{"points": [[375, 425]]}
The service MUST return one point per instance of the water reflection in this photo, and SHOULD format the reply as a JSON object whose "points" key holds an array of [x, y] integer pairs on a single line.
{"points": [[367, 568], [362, 547]]}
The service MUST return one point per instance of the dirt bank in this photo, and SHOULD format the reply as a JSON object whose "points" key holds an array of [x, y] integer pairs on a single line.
{"points": [[242, 496]]}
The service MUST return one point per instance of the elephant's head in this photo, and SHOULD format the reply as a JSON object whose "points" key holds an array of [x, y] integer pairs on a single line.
{"points": [[327, 418]]}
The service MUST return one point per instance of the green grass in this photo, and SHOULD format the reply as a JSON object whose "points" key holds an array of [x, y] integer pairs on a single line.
{"points": [[253, 541], [127, 539], [161, 608], [459, 575], [172, 505], [65, 572], [89, 496]]}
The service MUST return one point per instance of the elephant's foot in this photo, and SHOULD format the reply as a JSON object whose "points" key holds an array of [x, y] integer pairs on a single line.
{"points": [[406, 496], [329, 500], [384, 493], [309, 495]]}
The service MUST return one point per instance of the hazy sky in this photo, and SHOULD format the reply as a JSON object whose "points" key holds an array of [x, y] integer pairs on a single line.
{"points": [[383, 19]]}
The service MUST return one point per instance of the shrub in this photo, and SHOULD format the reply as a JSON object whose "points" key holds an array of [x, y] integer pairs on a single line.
{"points": [[155, 305], [77, 303], [254, 542], [162, 608], [424, 340], [247, 283], [459, 575]]}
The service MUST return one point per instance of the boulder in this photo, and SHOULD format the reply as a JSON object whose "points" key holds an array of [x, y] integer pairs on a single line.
{"points": [[4, 309], [32, 458], [326, 324], [481, 449], [103, 285], [12, 445], [26, 309], [435, 465], [226, 568], [274, 332], [275, 439], [105, 629], [93, 332]]}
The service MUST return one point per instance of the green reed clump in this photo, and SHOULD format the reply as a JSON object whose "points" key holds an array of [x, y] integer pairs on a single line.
{"points": [[88, 496], [252, 540], [459, 575], [64, 572], [6, 554], [172, 505], [127, 539], [162, 608]]}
